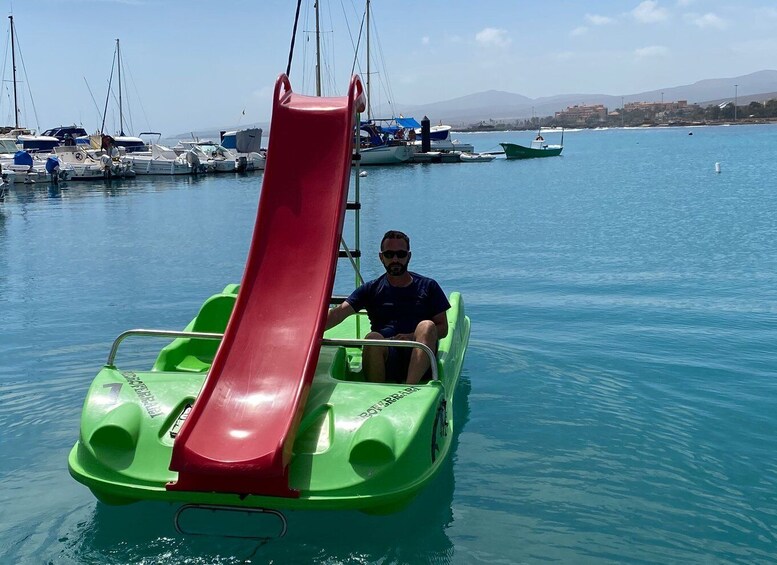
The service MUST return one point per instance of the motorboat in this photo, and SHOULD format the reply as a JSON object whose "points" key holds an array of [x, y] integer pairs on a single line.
{"points": [[34, 143], [84, 164], [129, 143], [246, 146], [22, 167], [439, 136], [162, 160], [216, 158]]}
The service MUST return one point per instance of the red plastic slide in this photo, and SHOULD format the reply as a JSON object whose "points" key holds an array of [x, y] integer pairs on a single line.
{"points": [[240, 433]]}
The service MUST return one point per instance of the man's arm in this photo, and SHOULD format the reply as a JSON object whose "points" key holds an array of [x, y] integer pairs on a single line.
{"points": [[338, 314]]}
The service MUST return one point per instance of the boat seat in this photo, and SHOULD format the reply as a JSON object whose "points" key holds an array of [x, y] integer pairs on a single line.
{"points": [[214, 314], [196, 355]]}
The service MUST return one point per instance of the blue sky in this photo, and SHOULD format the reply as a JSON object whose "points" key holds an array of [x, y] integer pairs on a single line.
{"points": [[193, 65]]}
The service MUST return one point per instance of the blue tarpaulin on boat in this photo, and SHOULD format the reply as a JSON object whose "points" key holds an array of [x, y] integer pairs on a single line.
{"points": [[374, 134], [408, 123], [22, 158]]}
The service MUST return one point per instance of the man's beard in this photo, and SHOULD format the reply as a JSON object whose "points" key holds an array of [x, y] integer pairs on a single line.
{"points": [[396, 269]]}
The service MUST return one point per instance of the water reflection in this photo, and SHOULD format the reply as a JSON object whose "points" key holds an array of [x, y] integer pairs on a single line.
{"points": [[25, 193], [55, 190]]}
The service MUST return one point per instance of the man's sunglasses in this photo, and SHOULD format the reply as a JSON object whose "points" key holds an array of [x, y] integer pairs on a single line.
{"points": [[401, 254]]}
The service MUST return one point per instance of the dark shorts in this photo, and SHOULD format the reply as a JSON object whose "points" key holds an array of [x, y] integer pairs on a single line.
{"points": [[397, 364]]}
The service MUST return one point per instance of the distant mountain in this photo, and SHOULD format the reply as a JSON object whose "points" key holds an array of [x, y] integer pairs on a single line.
{"points": [[466, 104], [498, 105]]}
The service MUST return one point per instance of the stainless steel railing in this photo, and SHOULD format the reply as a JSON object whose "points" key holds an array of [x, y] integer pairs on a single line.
{"points": [[340, 342], [155, 333]]}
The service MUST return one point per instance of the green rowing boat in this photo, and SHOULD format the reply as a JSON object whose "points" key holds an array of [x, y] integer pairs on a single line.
{"points": [[537, 149]]}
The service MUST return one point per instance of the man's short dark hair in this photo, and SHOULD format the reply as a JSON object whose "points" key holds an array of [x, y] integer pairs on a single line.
{"points": [[394, 234]]}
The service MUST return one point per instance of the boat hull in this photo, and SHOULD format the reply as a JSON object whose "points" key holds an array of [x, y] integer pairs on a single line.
{"points": [[515, 151], [359, 445], [386, 155]]}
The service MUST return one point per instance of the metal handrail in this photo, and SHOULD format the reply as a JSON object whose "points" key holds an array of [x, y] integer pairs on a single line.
{"points": [[227, 508], [156, 333], [343, 342], [359, 278], [389, 343]]}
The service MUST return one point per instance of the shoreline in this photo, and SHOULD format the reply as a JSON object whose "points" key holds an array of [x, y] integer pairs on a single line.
{"points": [[577, 127]]}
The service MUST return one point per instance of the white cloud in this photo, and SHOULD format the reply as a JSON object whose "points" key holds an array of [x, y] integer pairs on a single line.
{"points": [[649, 12], [425, 40], [651, 51], [597, 20], [582, 30], [708, 20], [685, 2], [493, 37]]}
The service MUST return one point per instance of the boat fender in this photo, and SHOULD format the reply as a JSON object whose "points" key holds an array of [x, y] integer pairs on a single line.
{"points": [[52, 165], [105, 161]]}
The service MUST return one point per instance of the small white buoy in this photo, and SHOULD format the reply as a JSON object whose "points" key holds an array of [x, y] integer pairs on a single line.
{"points": [[717, 167], [364, 173]]}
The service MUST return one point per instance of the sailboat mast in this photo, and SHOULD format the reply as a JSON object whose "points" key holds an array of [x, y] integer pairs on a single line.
{"points": [[108, 95], [318, 53], [121, 114], [13, 64], [369, 98]]}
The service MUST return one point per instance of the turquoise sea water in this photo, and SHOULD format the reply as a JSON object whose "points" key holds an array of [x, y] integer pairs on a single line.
{"points": [[619, 398]]}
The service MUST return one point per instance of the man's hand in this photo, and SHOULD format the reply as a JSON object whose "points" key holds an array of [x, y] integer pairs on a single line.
{"points": [[404, 337]]}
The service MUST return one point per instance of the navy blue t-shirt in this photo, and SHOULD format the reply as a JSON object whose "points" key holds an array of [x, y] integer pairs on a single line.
{"points": [[397, 310]]}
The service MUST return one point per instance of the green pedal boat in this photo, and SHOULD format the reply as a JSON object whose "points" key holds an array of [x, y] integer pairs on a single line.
{"points": [[359, 445], [254, 405]]}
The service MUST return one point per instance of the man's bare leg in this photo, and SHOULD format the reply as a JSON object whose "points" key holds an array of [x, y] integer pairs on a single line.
{"points": [[374, 360], [426, 333]]}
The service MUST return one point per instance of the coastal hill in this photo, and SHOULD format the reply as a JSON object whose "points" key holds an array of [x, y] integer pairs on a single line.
{"points": [[498, 105]]}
